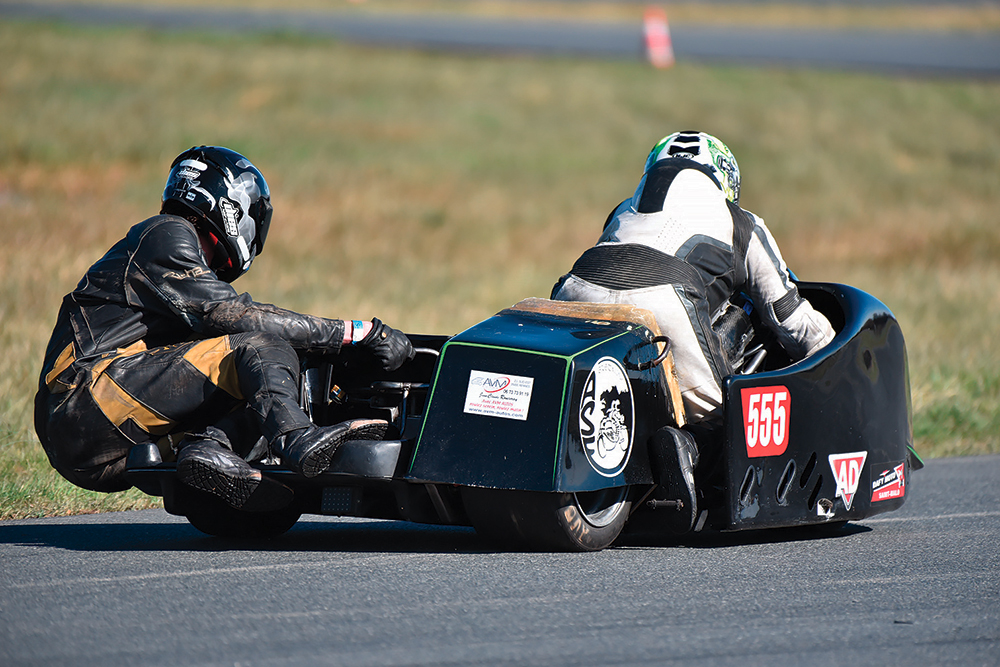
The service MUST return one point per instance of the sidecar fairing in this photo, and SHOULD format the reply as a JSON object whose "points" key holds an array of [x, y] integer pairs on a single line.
{"points": [[827, 439]]}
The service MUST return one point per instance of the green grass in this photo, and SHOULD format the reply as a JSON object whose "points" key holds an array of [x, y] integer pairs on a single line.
{"points": [[28, 488], [433, 190]]}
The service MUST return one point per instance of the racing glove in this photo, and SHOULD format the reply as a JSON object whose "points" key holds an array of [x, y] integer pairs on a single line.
{"points": [[389, 346]]}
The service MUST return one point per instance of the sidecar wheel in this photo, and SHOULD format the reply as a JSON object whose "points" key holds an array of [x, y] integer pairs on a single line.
{"points": [[586, 521], [224, 521]]}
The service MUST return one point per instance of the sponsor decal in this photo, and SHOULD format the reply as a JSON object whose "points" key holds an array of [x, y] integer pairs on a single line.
{"points": [[607, 415], [891, 483], [189, 171], [228, 210], [732, 179], [847, 471], [766, 414], [498, 395]]}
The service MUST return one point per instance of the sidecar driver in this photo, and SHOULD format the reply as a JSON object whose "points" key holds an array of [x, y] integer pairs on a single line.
{"points": [[155, 346], [681, 247]]}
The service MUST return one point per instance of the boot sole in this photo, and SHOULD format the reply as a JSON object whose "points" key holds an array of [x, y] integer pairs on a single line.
{"points": [[234, 489], [318, 461], [251, 492]]}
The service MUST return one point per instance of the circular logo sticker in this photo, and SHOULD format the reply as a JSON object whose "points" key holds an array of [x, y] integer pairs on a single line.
{"points": [[606, 417]]}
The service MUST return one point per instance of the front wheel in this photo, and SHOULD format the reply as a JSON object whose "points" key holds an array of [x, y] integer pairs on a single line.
{"points": [[583, 521]]}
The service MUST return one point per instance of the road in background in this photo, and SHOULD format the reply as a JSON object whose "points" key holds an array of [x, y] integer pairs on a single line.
{"points": [[919, 586], [925, 53]]}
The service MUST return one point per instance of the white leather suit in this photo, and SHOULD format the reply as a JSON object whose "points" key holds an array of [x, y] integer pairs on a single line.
{"points": [[680, 249]]}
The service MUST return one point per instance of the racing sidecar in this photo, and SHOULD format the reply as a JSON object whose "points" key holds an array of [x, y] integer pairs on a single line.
{"points": [[538, 426]]}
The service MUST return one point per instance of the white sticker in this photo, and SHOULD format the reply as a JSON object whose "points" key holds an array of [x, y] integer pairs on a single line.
{"points": [[607, 414], [228, 211], [194, 164], [498, 395]]}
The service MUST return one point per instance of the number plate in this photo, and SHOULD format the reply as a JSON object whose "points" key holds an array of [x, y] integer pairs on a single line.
{"points": [[766, 414]]}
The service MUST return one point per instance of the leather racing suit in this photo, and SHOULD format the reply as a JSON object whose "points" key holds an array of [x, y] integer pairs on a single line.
{"points": [[151, 344], [680, 249]]}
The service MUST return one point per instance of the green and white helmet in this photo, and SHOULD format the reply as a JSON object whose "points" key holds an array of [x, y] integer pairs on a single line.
{"points": [[704, 149]]}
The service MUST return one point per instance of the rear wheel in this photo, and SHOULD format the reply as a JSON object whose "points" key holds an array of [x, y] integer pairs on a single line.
{"points": [[224, 521], [584, 521]]}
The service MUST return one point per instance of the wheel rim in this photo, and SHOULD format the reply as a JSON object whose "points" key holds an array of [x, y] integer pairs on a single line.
{"points": [[601, 508]]}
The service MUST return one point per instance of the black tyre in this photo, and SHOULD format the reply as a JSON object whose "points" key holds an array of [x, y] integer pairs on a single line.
{"points": [[224, 521], [587, 521]]}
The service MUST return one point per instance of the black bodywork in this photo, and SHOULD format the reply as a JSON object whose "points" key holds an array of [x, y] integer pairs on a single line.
{"points": [[851, 397], [543, 404]]}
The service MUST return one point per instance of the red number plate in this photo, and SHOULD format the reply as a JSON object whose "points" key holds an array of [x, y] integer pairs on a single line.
{"points": [[766, 412]]}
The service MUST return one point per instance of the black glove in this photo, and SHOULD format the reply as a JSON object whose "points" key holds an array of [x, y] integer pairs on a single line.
{"points": [[389, 346]]}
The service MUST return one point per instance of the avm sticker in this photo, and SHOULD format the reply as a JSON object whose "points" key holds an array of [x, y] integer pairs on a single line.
{"points": [[498, 395]]}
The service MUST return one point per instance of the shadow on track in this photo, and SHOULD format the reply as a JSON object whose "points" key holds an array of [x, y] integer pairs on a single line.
{"points": [[108, 533], [716, 540], [95, 535]]}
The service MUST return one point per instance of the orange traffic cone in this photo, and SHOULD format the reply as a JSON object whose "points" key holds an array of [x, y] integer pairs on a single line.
{"points": [[659, 48]]}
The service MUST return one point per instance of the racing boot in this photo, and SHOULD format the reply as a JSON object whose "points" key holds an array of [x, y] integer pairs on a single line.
{"points": [[208, 466], [310, 450], [673, 454]]}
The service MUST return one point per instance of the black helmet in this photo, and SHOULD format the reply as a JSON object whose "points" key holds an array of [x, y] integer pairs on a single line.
{"points": [[226, 196]]}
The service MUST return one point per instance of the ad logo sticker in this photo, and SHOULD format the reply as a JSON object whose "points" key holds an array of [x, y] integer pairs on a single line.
{"points": [[607, 414], [890, 484], [847, 471], [766, 411], [498, 395]]}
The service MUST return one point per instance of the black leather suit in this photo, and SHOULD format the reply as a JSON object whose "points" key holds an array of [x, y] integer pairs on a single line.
{"points": [[151, 345]]}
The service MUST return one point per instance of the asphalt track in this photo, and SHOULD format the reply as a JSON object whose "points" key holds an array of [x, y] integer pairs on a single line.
{"points": [[914, 587], [909, 52]]}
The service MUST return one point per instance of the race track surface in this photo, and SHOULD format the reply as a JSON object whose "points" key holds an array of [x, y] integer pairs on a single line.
{"points": [[912, 52], [914, 587]]}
